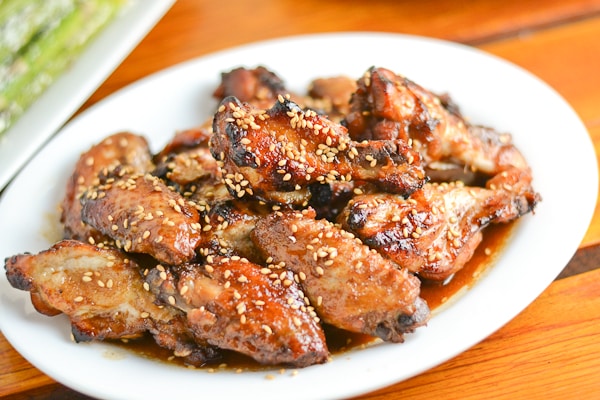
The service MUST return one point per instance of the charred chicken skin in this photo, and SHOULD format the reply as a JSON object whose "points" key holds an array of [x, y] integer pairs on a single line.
{"points": [[102, 292], [274, 154], [351, 286], [436, 230], [237, 305]]}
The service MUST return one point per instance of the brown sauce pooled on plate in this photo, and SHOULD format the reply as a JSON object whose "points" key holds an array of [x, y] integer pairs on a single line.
{"points": [[495, 237]]}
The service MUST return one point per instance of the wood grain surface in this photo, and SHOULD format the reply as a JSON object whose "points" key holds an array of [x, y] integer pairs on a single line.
{"points": [[550, 350]]}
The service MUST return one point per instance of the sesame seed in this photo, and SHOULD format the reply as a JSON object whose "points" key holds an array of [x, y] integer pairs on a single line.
{"points": [[267, 329]]}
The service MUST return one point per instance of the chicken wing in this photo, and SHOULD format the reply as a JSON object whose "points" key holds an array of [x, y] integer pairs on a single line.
{"points": [[350, 286], [275, 154], [237, 305], [102, 292], [143, 215], [122, 148], [436, 230], [387, 106]]}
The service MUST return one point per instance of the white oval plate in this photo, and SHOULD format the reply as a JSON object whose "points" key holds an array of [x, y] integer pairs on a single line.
{"points": [[489, 90]]}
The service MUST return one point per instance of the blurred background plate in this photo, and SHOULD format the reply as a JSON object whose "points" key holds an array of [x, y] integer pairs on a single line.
{"points": [[62, 99]]}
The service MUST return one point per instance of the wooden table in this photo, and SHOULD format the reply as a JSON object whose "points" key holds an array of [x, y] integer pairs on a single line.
{"points": [[552, 349]]}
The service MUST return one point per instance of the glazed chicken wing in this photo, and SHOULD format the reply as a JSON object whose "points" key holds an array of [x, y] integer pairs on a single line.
{"points": [[119, 149], [102, 292], [237, 305], [350, 286], [387, 106], [143, 215], [276, 154], [436, 230]]}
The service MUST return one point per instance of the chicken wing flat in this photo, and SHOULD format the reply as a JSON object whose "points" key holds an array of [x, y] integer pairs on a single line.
{"points": [[436, 230], [142, 215], [351, 286], [387, 105], [237, 305], [119, 149], [275, 154], [102, 292]]}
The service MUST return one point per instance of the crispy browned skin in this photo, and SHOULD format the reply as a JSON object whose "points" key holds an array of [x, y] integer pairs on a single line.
{"points": [[275, 154], [237, 305], [102, 292], [143, 215], [435, 231], [387, 105], [350, 286], [119, 149]]}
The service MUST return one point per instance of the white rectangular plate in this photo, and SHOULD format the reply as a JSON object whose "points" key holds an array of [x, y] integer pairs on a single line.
{"points": [[60, 101]]}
